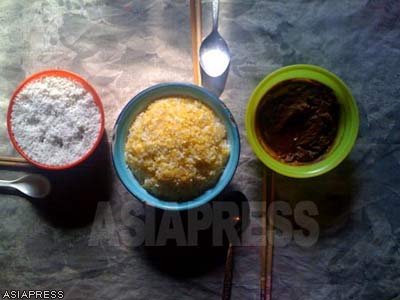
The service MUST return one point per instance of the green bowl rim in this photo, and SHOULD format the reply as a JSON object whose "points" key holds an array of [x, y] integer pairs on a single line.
{"points": [[309, 170]]}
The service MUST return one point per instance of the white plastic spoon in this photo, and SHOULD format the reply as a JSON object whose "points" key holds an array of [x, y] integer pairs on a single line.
{"points": [[33, 185]]}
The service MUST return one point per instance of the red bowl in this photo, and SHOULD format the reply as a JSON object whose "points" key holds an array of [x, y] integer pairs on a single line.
{"points": [[87, 87]]}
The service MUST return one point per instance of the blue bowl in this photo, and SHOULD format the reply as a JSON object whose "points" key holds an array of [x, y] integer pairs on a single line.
{"points": [[136, 106]]}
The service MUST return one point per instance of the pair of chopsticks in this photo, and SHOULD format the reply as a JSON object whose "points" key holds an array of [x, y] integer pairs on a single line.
{"points": [[12, 161], [267, 243]]}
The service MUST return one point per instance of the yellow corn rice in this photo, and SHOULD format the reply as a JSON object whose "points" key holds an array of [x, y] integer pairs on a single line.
{"points": [[177, 148]]}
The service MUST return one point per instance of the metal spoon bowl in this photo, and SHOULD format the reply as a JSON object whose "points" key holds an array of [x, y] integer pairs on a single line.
{"points": [[214, 57], [33, 185]]}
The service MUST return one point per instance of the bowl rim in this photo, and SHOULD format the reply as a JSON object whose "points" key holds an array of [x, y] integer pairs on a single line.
{"points": [[165, 204], [56, 73], [319, 167]]}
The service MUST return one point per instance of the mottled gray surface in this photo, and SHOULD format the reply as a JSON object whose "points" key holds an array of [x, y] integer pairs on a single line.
{"points": [[124, 46]]}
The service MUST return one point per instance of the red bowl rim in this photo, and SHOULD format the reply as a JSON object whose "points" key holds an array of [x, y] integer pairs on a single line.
{"points": [[56, 73]]}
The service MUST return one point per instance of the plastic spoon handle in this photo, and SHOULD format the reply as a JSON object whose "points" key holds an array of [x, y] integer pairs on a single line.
{"points": [[32, 185], [6, 184]]}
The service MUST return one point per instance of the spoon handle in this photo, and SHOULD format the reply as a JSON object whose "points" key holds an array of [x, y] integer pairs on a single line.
{"points": [[215, 10], [5, 183]]}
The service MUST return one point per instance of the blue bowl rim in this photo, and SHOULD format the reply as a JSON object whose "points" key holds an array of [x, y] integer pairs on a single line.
{"points": [[193, 203]]}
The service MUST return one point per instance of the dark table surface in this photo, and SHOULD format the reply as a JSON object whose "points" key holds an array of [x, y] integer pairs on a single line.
{"points": [[82, 239]]}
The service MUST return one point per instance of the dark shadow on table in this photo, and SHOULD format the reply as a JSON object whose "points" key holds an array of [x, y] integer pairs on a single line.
{"points": [[182, 260], [332, 194], [76, 191]]}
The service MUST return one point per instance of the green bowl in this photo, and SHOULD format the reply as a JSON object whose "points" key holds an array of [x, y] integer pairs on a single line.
{"points": [[348, 121]]}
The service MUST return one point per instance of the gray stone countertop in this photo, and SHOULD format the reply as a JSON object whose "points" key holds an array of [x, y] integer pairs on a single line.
{"points": [[82, 241]]}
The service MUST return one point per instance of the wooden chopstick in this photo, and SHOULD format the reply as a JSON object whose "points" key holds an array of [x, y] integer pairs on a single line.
{"points": [[13, 158], [270, 249], [13, 161], [264, 209], [267, 241], [14, 164], [195, 21]]}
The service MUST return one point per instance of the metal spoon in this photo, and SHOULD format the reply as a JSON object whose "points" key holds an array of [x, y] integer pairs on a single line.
{"points": [[214, 57], [33, 185]]}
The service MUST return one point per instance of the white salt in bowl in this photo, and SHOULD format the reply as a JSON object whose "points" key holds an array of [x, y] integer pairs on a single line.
{"points": [[75, 151]]}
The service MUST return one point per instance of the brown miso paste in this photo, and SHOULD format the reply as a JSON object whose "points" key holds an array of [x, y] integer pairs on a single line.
{"points": [[298, 120]]}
